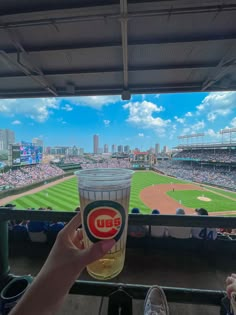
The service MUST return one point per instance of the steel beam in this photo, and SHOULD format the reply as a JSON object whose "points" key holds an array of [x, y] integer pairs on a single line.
{"points": [[117, 44], [124, 39], [30, 69], [143, 11], [74, 71]]}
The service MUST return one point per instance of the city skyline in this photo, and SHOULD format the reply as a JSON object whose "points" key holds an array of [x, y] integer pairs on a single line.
{"points": [[141, 122]]}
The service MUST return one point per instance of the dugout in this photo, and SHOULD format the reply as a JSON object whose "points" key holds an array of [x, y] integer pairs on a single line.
{"points": [[95, 47]]}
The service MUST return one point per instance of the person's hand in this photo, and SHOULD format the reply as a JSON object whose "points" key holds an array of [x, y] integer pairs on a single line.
{"points": [[68, 252], [65, 262], [231, 284]]}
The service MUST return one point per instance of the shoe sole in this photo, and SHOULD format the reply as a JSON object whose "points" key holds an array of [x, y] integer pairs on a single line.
{"points": [[163, 295]]}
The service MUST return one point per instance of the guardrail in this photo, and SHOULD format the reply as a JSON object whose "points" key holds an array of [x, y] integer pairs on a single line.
{"points": [[120, 295]]}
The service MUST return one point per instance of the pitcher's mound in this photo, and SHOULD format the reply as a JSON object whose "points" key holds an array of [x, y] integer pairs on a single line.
{"points": [[204, 198]]}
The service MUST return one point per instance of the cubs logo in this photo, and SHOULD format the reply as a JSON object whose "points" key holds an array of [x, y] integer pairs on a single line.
{"points": [[104, 219]]}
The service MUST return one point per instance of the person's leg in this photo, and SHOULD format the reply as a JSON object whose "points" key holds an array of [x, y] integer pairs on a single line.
{"points": [[155, 302]]}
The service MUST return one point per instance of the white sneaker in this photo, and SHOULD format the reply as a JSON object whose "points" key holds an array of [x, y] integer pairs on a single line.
{"points": [[155, 302]]}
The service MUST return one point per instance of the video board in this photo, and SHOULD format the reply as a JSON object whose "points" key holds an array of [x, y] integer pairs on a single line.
{"points": [[26, 154]]}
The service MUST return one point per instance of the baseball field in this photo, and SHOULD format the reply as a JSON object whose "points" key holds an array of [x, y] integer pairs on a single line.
{"points": [[149, 191]]}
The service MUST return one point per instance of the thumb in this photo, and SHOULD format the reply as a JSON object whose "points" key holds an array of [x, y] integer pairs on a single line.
{"points": [[97, 251]]}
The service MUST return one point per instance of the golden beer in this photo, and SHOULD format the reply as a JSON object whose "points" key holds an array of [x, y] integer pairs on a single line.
{"points": [[104, 201]]}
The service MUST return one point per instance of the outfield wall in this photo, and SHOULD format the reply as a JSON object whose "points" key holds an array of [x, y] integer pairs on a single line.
{"points": [[19, 190]]}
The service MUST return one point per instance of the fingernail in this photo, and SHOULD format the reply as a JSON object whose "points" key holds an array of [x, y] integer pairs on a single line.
{"points": [[107, 245]]}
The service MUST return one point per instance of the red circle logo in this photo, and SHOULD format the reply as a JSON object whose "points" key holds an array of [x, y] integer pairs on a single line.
{"points": [[104, 219], [104, 222]]}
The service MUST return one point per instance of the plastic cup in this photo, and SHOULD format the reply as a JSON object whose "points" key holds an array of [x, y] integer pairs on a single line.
{"points": [[104, 201]]}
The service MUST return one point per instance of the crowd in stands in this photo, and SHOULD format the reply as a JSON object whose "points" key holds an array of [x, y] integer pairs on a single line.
{"points": [[35, 231], [40, 231], [220, 176], [220, 155], [75, 160], [112, 163], [179, 232], [29, 174]]}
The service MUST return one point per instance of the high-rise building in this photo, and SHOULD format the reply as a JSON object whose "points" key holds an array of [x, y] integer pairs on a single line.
{"points": [[157, 148], [7, 137], [165, 149], [37, 142], [126, 149], [81, 151], [95, 144], [105, 148], [151, 150], [113, 148], [120, 149]]}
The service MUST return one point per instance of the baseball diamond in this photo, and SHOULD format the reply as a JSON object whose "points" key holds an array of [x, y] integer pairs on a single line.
{"points": [[149, 191]]}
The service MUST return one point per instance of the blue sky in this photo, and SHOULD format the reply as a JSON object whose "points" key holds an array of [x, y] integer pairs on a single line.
{"points": [[140, 122]]}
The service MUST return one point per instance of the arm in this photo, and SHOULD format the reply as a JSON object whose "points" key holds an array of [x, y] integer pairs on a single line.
{"points": [[62, 267]]}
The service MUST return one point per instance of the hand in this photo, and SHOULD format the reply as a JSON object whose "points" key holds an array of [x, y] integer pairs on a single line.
{"points": [[231, 284], [67, 259], [69, 252]]}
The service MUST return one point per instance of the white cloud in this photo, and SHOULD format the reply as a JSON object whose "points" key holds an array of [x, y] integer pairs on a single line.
{"points": [[96, 102], [62, 121], [67, 108], [186, 130], [217, 104], [233, 122], [16, 122], [38, 109], [141, 134], [106, 122], [141, 115], [188, 114], [213, 134], [180, 120], [211, 116], [198, 126]]}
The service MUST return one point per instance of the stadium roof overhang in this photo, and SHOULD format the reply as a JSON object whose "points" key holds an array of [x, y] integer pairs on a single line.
{"points": [[95, 47]]}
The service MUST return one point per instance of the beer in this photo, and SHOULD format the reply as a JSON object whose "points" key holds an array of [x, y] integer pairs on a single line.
{"points": [[104, 201]]}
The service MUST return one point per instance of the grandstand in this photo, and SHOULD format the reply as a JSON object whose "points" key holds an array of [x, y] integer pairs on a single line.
{"points": [[211, 163]]}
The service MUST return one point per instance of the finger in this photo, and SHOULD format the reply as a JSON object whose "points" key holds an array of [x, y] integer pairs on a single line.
{"points": [[97, 251], [229, 280], [78, 239], [73, 224], [229, 289]]}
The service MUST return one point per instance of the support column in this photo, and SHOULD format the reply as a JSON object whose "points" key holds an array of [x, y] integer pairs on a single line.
{"points": [[4, 265]]}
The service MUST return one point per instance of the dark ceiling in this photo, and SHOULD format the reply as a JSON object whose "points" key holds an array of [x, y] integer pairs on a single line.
{"points": [[73, 47]]}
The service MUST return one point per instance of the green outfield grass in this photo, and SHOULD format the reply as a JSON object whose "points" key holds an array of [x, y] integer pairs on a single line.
{"points": [[222, 191], [64, 196], [189, 199]]}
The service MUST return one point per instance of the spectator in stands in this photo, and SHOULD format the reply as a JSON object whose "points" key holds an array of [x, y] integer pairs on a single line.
{"points": [[10, 206], [157, 231], [20, 225], [137, 231], [203, 233], [55, 227], [179, 231], [37, 230]]}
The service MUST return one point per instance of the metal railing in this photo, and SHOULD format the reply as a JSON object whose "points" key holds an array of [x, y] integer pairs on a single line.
{"points": [[121, 295]]}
